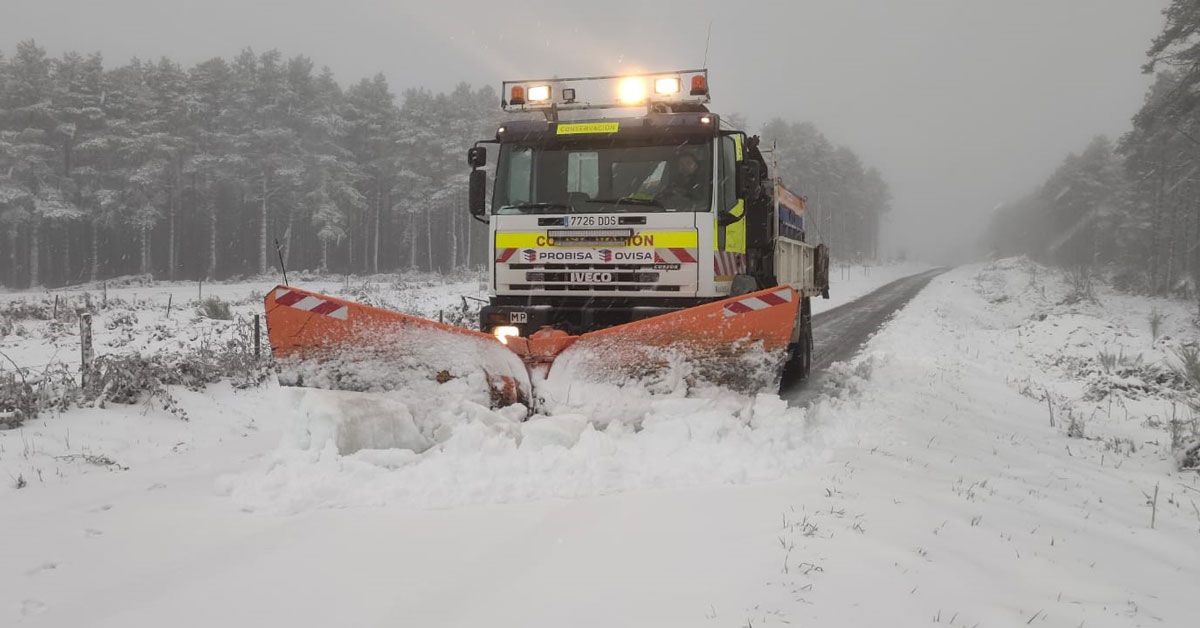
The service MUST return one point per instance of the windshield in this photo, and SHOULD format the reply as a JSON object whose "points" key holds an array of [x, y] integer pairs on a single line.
{"points": [[613, 177]]}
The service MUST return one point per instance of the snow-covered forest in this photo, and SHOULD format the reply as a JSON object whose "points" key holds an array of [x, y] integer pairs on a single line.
{"points": [[847, 200], [1129, 206], [154, 168], [186, 173]]}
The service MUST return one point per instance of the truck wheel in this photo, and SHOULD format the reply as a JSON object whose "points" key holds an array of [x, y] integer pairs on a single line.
{"points": [[799, 358]]}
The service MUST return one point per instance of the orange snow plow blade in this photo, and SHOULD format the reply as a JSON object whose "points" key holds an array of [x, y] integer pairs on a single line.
{"points": [[738, 343], [325, 342]]}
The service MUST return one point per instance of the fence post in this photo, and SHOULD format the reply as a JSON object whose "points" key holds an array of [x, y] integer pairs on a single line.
{"points": [[104, 288], [85, 349], [170, 297], [55, 316], [200, 292], [257, 334]]}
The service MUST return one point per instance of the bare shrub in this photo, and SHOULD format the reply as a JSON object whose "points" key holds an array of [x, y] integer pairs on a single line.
{"points": [[18, 401], [215, 308], [465, 315], [1082, 288], [1187, 453], [1075, 425], [1118, 362], [25, 395], [1156, 321], [1189, 365], [134, 378]]}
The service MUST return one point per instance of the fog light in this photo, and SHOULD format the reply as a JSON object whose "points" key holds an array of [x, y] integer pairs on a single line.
{"points": [[503, 332]]}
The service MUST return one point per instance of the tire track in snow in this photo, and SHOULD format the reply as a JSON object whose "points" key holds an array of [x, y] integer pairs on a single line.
{"points": [[839, 333]]}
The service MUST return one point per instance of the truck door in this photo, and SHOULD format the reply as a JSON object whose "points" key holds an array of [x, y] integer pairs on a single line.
{"points": [[730, 244]]}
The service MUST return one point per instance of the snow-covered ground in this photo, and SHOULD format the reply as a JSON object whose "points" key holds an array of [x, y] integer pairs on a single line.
{"points": [[133, 315], [932, 490]]}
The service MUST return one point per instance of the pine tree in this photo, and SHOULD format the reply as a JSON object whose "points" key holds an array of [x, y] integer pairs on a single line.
{"points": [[372, 140]]}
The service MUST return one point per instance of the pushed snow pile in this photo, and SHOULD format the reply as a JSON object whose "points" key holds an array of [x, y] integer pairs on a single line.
{"points": [[656, 422], [477, 455], [618, 382]]}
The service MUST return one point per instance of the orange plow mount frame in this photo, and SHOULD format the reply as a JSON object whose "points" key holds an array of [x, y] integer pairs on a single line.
{"points": [[309, 326], [319, 329]]}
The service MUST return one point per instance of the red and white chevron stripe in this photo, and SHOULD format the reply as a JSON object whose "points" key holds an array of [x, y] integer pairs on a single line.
{"points": [[726, 264], [674, 256], [760, 302], [502, 255], [308, 303]]}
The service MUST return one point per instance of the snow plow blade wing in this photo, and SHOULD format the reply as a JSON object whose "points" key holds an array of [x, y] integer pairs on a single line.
{"points": [[325, 342], [739, 343]]}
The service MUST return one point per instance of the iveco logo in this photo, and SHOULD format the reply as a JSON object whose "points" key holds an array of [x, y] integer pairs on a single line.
{"points": [[606, 255], [529, 255], [591, 277]]}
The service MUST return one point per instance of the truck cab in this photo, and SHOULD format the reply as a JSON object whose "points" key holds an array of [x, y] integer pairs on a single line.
{"points": [[600, 221]]}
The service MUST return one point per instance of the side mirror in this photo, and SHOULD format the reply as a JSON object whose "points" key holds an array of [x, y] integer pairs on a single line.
{"points": [[477, 157], [477, 193], [726, 217], [749, 179]]}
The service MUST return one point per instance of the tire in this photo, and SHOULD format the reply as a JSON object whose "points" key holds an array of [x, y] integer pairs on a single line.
{"points": [[799, 361]]}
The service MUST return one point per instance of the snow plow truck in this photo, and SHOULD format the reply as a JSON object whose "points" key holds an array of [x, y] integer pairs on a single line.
{"points": [[649, 243]]}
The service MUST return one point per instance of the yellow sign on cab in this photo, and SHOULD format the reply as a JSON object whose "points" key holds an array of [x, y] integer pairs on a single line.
{"points": [[584, 128]]}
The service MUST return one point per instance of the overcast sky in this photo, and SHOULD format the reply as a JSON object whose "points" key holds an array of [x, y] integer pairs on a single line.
{"points": [[963, 104]]}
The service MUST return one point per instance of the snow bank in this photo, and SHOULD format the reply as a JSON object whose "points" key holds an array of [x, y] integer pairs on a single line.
{"points": [[489, 456]]}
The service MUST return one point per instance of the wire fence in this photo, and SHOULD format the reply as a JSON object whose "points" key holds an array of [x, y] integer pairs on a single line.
{"points": [[250, 327]]}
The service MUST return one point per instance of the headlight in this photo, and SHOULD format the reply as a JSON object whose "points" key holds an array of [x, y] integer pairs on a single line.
{"points": [[631, 91], [503, 332], [666, 86]]}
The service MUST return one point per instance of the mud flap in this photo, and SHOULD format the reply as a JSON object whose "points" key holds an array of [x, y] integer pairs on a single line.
{"points": [[738, 343], [324, 342]]}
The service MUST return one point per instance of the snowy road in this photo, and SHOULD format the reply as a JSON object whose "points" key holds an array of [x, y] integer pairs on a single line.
{"points": [[840, 332]]}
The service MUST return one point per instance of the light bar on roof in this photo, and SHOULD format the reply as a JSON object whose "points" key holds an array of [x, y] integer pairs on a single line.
{"points": [[606, 92], [666, 86], [631, 90]]}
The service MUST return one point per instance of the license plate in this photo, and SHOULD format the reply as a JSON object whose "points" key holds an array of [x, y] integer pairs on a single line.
{"points": [[591, 221]]}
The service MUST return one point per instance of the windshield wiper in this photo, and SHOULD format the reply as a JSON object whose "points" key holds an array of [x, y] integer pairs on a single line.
{"points": [[539, 206], [628, 200]]}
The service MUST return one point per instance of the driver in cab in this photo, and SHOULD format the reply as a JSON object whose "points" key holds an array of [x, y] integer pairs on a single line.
{"points": [[687, 184]]}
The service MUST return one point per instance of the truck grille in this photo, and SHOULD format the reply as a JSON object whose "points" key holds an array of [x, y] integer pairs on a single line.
{"points": [[661, 271]]}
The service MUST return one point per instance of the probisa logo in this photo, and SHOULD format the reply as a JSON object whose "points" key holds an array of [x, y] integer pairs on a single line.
{"points": [[529, 255], [606, 255]]}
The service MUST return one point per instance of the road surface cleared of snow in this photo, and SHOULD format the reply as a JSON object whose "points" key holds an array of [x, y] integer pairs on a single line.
{"points": [[933, 490], [852, 281]]}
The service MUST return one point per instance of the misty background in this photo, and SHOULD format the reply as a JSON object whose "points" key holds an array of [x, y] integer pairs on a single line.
{"points": [[962, 105]]}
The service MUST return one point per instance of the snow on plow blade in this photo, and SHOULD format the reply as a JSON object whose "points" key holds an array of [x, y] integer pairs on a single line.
{"points": [[324, 342], [739, 343]]}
